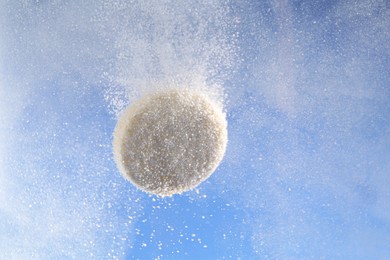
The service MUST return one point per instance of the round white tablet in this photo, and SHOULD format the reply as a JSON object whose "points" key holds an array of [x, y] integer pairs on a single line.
{"points": [[171, 141]]}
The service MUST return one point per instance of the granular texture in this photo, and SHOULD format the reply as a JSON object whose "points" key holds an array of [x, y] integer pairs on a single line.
{"points": [[171, 141]]}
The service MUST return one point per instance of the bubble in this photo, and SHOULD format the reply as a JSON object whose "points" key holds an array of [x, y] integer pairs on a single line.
{"points": [[169, 142]]}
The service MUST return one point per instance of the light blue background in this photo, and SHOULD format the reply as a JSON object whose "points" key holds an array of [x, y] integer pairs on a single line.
{"points": [[307, 168]]}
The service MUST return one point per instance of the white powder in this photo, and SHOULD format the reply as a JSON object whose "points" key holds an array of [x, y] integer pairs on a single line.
{"points": [[171, 141]]}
